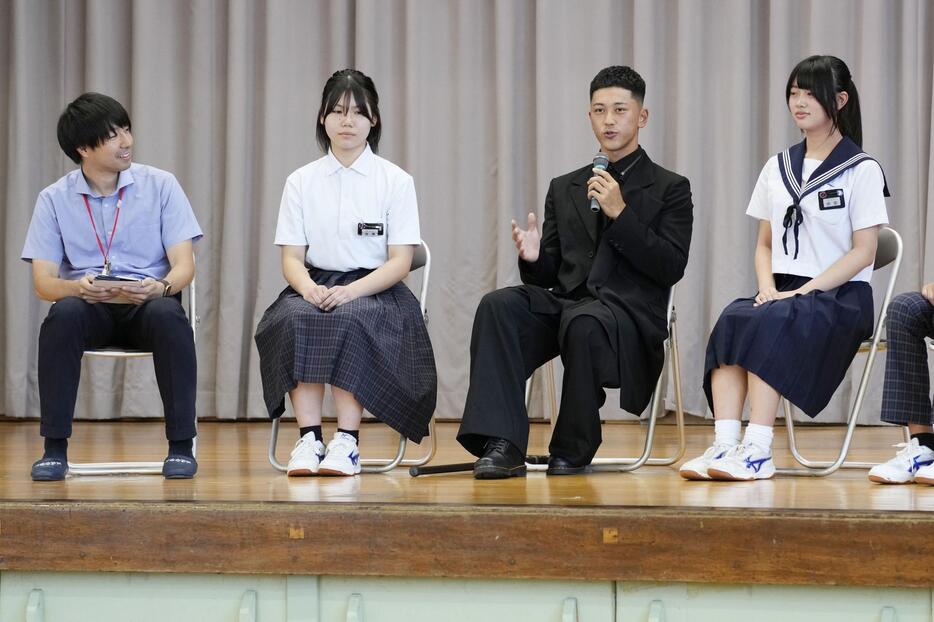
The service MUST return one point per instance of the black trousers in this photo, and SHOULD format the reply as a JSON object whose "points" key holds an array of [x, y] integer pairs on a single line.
{"points": [[159, 326], [509, 341]]}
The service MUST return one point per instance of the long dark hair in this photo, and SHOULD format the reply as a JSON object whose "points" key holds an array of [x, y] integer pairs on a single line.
{"points": [[824, 77], [337, 90]]}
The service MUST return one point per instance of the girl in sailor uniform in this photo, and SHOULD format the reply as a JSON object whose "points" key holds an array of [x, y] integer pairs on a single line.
{"points": [[347, 229], [819, 204]]}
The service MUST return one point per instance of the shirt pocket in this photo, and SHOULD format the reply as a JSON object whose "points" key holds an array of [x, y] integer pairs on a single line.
{"points": [[143, 247], [833, 214]]}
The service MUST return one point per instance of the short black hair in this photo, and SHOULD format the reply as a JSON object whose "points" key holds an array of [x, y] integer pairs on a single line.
{"points": [[88, 121], [339, 86], [619, 76], [825, 76]]}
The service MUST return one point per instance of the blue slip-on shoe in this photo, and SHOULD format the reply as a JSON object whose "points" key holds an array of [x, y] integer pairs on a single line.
{"points": [[49, 470], [177, 466]]}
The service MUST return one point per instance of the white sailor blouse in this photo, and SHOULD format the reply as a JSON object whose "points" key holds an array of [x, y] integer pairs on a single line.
{"points": [[815, 206]]}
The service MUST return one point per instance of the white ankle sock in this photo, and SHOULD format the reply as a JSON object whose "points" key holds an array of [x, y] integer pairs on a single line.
{"points": [[726, 431], [759, 435]]}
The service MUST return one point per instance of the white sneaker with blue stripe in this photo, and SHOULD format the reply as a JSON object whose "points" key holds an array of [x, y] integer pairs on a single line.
{"points": [[342, 458], [306, 456], [744, 462], [906, 466], [696, 469]]}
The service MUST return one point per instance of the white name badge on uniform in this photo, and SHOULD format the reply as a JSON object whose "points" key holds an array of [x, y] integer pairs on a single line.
{"points": [[831, 199]]}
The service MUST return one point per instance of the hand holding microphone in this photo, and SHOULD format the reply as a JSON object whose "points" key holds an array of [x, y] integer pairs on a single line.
{"points": [[600, 162], [602, 189]]}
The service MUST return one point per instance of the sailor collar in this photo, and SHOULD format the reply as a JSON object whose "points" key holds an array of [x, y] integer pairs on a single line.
{"points": [[844, 156]]}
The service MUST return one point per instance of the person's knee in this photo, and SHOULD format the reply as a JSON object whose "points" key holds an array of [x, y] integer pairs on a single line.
{"points": [[495, 301], [496, 304], [582, 330], [165, 310], [166, 317], [67, 314], [906, 310]]}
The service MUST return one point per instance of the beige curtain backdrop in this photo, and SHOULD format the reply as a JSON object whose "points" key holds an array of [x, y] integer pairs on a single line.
{"points": [[483, 103]]}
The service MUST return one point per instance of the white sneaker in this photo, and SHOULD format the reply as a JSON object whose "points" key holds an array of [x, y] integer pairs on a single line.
{"points": [[306, 456], [696, 469], [925, 475], [343, 457], [742, 463], [906, 466]]}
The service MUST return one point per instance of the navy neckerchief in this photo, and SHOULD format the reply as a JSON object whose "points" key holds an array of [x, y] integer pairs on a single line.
{"points": [[844, 156]]}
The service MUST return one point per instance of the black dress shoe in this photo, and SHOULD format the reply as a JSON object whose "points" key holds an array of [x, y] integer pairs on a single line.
{"points": [[501, 459], [559, 466]]}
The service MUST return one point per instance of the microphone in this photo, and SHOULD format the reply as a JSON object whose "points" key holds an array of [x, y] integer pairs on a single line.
{"points": [[600, 161]]}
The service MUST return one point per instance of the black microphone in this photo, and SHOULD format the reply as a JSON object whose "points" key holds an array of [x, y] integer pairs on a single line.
{"points": [[600, 161]]}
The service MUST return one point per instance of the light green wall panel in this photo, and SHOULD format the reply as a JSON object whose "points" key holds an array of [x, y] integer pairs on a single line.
{"points": [[461, 600], [692, 602], [122, 597]]}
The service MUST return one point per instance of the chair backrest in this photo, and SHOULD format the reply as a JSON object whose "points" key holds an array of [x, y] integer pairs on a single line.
{"points": [[671, 306], [422, 259], [889, 247], [888, 251]]}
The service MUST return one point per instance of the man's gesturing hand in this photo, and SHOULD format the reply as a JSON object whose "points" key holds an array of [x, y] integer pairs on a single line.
{"points": [[528, 241]]}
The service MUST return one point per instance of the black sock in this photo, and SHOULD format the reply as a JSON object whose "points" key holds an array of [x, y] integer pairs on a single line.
{"points": [[354, 433], [925, 438], [181, 448], [56, 448], [315, 429]]}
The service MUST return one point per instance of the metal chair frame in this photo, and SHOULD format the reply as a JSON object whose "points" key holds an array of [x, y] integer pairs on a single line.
{"points": [[671, 359], [889, 251], [421, 259], [136, 467]]}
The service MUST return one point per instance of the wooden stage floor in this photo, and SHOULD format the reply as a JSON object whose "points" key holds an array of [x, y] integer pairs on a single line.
{"points": [[241, 516]]}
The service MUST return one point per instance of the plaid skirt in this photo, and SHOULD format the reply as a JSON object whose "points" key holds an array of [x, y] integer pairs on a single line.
{"points": [[375, 347], [800, 346]]}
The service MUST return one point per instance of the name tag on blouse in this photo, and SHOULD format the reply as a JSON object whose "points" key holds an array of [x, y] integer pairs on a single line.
{"points": [[831, 199], [369, 228]]}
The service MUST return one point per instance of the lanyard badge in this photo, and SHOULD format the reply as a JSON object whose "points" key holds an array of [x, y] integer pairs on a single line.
{"points": [[100, 244]]}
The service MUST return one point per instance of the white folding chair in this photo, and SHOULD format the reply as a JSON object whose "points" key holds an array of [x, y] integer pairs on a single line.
{"points": [[889, 251], [136, 468], [656, 405], [421, 259]]}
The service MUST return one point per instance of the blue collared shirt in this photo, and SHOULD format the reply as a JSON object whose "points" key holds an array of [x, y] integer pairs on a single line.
{"points": [[155, 215]]}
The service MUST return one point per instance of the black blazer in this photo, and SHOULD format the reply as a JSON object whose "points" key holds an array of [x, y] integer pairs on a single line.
{"points": [[640, 256]]}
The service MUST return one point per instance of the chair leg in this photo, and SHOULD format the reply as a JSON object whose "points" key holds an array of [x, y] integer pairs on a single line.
{"points": [[824, 468], [273, 441], [371, 465], [630, 464], [552, 388], [381, 465], [125, 468], [432, 448], [115, 468]]}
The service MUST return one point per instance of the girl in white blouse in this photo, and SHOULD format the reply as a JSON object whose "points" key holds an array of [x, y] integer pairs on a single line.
{"points": [[819, 204], [347, 229]]}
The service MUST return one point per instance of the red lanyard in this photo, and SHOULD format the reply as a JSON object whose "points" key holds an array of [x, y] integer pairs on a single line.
{"points": [[106, 253]]}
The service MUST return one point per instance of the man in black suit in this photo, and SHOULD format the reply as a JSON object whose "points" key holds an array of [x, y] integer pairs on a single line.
{"points": [[595, 291]]}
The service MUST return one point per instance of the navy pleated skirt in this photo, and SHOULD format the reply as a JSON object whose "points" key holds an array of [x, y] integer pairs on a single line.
{"points": [[801, 346], [376, 347]]}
